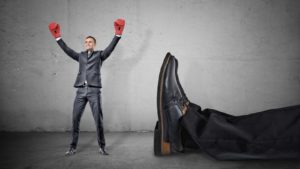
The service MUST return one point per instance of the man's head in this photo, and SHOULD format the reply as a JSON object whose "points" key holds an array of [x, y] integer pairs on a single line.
{"points": [[90, 43]]}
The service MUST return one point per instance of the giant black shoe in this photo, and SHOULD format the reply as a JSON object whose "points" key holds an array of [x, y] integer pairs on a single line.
{"points": [[171, 105]]}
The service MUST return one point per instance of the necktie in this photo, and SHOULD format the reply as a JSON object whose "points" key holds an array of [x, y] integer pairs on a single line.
{"points": [[89, 54]]}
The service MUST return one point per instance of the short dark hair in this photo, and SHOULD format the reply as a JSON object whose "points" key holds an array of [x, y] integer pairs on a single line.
{"points": [[92, 38]]}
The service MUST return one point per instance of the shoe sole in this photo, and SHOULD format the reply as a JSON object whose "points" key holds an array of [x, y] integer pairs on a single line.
{"points": [[161, 147]]}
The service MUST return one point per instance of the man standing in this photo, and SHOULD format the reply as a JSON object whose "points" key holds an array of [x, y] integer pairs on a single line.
{"points": [[88, 81]]}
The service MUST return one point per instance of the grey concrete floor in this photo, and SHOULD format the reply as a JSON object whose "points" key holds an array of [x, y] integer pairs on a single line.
{"points": [[128, 150]]}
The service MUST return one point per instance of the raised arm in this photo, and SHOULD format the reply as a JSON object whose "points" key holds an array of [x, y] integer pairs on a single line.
{"points": [[70, 52], [107, 51], [119, 25], [55, 31]]}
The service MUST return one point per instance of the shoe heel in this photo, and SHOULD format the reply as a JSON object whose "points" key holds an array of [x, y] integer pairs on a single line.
{"points": [[160, 146]]}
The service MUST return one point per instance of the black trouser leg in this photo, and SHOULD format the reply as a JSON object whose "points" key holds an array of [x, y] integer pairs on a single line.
{"points": [[270, 134], [78, 108], [94, 98]]}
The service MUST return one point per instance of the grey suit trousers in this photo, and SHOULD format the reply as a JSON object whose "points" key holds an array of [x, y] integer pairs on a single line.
{"points": [[93, 96]]}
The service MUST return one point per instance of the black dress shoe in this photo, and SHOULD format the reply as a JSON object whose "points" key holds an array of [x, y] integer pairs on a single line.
{"points": [[102, 151], [171, 105], [71, 151]]}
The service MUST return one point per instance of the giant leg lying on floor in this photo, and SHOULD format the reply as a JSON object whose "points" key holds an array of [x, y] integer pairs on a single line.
{"points": [[270, 134]]}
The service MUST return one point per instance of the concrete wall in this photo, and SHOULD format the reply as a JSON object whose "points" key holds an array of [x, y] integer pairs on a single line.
{"points": [[235, 56]]}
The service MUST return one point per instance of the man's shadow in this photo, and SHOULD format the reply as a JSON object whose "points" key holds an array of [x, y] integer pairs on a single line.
{"points": [[119, 92]]}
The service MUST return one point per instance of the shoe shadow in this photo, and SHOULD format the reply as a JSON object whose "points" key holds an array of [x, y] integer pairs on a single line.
{"points": [[88, 143], [117, 139]]}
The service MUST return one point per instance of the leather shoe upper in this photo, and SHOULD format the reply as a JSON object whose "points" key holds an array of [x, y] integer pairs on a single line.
{"points": [[174, 102]]}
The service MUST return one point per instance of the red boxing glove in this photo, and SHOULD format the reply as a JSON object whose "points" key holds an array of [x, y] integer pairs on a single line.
{"points": [[54, 29], [119, 26]]}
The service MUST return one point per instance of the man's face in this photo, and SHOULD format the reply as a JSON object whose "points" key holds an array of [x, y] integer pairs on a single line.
{"points": [[89, 44]]}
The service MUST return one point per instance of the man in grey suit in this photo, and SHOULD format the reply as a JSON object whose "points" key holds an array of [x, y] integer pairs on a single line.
{"points": [[88, 81]]}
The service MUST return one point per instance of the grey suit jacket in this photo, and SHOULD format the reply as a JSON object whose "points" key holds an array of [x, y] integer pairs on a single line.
{"points": [[89, 67]]}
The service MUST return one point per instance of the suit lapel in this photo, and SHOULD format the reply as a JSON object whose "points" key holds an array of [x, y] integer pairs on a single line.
{"points": [[85, 56]]}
